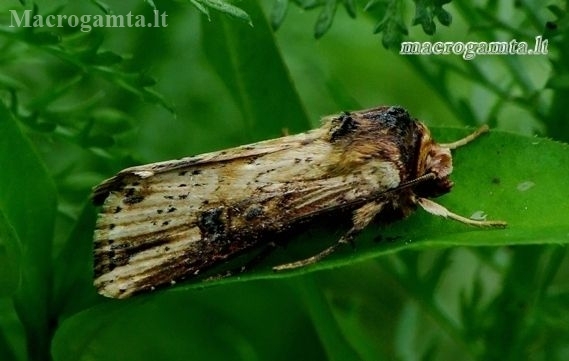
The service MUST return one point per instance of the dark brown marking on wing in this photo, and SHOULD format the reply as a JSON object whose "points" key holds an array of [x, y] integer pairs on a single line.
{"points": [[137, 198], [212, 225], [347, 124], [253, 212]]}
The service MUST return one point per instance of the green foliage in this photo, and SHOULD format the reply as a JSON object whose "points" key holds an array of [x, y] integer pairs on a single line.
{"points": [[389, 14], [221, 6], [75, 107]]}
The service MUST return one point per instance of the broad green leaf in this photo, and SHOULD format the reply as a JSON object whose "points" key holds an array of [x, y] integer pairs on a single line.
{"points": [[249, 63], [523, 181], [501, 176], [27, 200], [215, 324]]}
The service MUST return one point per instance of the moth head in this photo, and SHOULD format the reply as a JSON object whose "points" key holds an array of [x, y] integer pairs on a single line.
{"points": [[433, 159]]}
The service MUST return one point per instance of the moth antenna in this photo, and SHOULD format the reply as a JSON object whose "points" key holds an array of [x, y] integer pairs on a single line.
{"points": [[412, 182], [469, 138]]}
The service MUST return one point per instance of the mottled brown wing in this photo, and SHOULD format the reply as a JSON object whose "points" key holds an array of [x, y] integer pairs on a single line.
{"points": [[164, 222]]}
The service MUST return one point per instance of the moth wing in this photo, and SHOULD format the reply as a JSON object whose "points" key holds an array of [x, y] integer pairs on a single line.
{"points": [[155, 218], [167, 221]]}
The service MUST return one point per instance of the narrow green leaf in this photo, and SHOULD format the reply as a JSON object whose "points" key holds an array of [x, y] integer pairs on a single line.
{"points": [[201, 8], [73, 268], [111, 121], [278, 13], [151, 3], [556, 10], [239, 53], [350, 6], [44, 38], [103, 6], [392, 22], [10, 82], [325, 18], [443, 16], [372, 4], [227, 8], [308, 4], [10, 255], [336, 345], [27, 200], [105, 58], [432, 278]]}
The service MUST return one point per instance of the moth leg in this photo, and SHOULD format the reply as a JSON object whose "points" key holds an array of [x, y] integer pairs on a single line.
{"points": [[438, 210], [361, 218], [263, 253]]}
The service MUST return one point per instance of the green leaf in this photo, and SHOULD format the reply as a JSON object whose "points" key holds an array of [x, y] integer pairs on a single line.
{"points": [[104, 58], [335, 343], [111, 121], [496, 175], [73, 268], [201, 8], [27, 200], [151, 3], [278, 13], [10, 255], [239, 54], [10, 82], [427, 10], [392, 22], [325, 18], [424, 16], [443, 16], [218, 321], [308, 4], [350, 6], [223, 7]]}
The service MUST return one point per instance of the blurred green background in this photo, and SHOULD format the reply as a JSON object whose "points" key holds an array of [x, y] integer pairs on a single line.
{"points": [[78, 107]]}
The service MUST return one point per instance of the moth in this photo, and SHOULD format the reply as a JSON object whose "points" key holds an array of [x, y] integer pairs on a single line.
{"points": [[165, 222]]}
